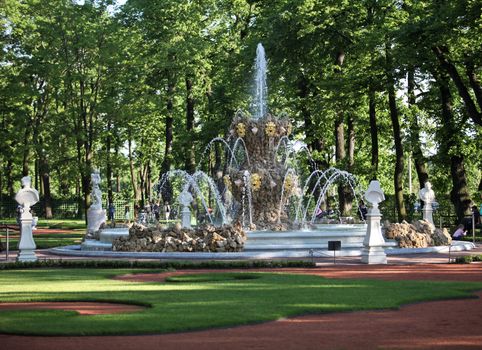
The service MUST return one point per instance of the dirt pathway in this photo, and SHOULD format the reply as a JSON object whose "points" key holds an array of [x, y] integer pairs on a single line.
{"points": [[82, 308]]}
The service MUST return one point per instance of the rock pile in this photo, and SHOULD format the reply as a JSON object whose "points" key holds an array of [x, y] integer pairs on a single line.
{"points": [[419, 234], [207, 238]]}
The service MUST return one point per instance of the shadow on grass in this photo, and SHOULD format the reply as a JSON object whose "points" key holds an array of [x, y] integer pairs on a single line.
{"points": [[201, 301]]}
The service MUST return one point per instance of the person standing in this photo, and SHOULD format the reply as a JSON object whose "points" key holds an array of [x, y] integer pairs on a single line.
{"points": [[111, 212], [127, 215], [156, 210], [167, 210], [362, 210]]}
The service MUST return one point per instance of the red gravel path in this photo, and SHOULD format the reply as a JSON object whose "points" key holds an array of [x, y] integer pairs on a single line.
{"points": [[83, 308], [452, 324], [433, 272]]}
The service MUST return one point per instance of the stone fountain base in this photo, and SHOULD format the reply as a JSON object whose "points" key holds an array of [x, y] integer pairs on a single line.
{"points": [[106, 237]]}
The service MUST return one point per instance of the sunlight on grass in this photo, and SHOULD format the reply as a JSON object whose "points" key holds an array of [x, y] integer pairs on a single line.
{"points": [[197, 301]]}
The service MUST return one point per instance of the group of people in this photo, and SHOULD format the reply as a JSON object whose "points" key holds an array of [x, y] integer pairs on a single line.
{"points": [[153, 208]]}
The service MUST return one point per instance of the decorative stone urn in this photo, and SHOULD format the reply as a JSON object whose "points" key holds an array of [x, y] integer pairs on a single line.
{"points": [[185, 198], [95, 214], [26, 197], [373, 251], [427, 195]]}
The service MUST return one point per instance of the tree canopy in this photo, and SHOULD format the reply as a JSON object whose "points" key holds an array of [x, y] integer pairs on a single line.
{"points": [[372, 87]]}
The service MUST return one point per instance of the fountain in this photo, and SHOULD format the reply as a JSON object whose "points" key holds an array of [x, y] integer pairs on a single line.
{"points": [[261, 188]]}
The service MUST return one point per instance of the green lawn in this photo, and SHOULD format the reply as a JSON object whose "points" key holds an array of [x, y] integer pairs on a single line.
{"points": [[49, 240], [61, 224], [46, 241], [197, 301]]}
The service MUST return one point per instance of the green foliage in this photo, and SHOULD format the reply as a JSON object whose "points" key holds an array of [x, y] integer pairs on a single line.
{"points": [[78, 81]]}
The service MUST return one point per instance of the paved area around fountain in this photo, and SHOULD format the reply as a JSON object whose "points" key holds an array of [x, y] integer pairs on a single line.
{"points": [[440, 256]]}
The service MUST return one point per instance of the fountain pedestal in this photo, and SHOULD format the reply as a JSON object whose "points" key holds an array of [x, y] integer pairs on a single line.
{"points": [[374, 251]]}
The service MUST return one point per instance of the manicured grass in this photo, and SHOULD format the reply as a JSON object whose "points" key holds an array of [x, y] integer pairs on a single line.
{"points": [[61, 224], [197, 302], [47, 240]]}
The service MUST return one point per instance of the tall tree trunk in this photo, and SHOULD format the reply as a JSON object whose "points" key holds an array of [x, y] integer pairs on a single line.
{"points": [[420, 165], [148, 180], [1, 180], [474, 82], [351, 143], [135, 188], [459, 194], [373, 131], [44, 170], [8, 175], [80, 200], [108, 145], [166, 162], [190, 153], [141, 187], [314, 143], [344, 193], [399, 162], [464, 93], [26, 151]]}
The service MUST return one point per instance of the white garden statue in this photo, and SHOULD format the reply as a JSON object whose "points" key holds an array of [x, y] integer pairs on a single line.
{"points": [[185, 198], [96, 194], [374, 251], [427, 195], [96, 216], [26, 197]]}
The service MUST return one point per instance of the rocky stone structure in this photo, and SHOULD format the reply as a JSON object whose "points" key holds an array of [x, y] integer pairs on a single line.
{"points": [[266, 174], [419, 234], [207, 238]]}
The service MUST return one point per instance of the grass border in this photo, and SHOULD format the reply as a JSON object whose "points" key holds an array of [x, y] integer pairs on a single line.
{"points": [[177, 265]]}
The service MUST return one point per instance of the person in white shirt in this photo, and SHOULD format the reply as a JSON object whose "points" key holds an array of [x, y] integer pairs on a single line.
{"points": [[459, 232]]}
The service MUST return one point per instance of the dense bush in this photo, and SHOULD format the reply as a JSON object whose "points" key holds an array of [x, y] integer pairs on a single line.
{"points": [[467, 259]]}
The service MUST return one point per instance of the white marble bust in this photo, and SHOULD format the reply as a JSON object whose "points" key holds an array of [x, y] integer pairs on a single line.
{"points": [[426, 194], [27, 196]]}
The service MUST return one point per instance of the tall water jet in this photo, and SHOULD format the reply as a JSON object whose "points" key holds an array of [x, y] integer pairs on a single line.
{"points": [[260, 96], [259, 134]]}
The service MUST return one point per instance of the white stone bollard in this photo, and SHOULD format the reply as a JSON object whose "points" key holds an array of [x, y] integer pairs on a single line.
{"points": [[26, 197], [374, 251]]}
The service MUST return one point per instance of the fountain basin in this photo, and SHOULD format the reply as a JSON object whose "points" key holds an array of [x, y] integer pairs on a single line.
{"points": [[106, 237], [75, 250], [350, 236]]}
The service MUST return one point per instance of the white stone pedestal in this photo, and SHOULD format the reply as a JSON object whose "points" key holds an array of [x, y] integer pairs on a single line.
{"points": [[26, 246], [26, 197], [374, 251], [95, 218], [427, 213], [186, 217]]}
